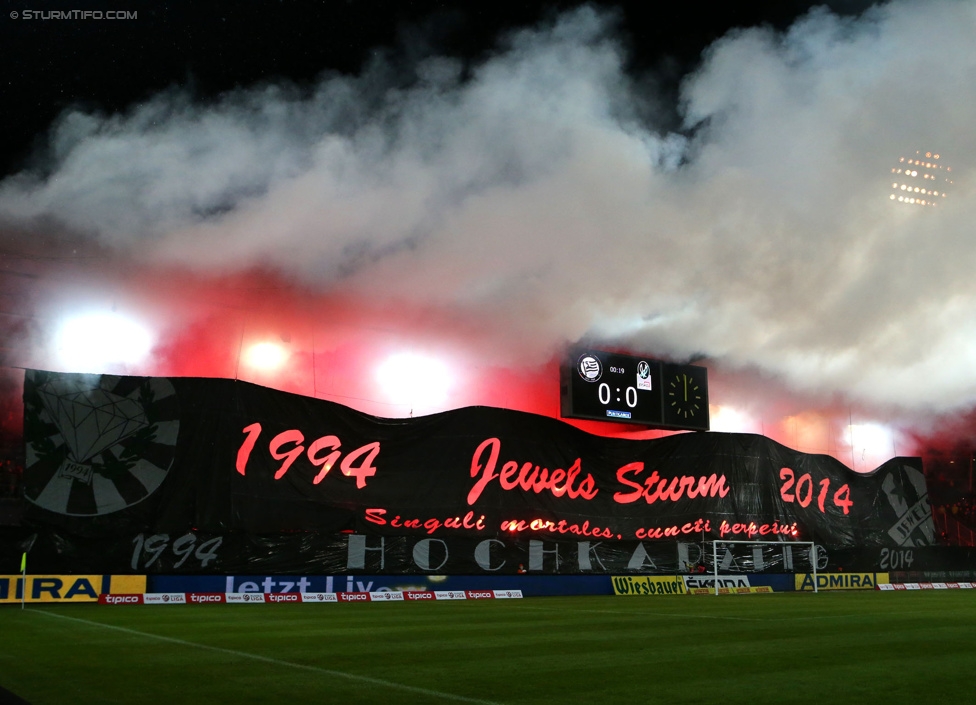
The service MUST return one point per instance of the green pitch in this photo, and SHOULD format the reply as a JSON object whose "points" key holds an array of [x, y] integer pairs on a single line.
{"points": [[785, 648]]}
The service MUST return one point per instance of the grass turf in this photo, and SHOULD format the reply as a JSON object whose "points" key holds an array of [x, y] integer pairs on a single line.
{"points": [[784, 648]]}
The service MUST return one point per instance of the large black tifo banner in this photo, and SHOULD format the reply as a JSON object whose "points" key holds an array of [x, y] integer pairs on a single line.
{"points": [[111, 456]]}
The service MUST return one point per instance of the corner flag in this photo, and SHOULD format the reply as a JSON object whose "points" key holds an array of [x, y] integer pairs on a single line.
{"points": [[23, 563]]}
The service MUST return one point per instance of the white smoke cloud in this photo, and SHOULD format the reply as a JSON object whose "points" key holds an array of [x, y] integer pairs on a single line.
{"points": [[532, 192]]}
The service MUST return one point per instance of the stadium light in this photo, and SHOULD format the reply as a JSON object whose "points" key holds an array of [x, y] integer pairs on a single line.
{"points": [[418, 380], [930, 169], [872, 439], [728, 419], [266, 356], [92, 342]]}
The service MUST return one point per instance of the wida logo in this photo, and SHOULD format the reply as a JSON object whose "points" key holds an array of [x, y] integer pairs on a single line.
{"points": [[202, 597], [479, 594], [283, 597], [354, 597]]}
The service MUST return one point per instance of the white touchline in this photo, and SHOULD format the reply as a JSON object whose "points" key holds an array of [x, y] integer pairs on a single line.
{"points": [[266, 659]]}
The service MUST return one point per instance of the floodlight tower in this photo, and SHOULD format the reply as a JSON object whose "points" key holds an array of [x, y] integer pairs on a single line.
{"points": [[920, 180]]}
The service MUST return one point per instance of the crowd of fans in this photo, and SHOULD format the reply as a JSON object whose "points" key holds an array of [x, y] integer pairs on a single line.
{"points": [[963, 511]]}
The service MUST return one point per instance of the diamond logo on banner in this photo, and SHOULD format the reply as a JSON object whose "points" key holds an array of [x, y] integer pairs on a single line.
{"points": [[90, 420], [97, 444]]}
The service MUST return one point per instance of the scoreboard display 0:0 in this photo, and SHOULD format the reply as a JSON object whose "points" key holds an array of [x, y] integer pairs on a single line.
{"points": [[607, 386]]}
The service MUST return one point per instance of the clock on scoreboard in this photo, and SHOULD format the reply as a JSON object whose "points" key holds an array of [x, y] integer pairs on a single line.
{"points": [[606, 386]]}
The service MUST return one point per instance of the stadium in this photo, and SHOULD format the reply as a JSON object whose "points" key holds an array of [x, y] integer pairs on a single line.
{"points": [[560, 342]]}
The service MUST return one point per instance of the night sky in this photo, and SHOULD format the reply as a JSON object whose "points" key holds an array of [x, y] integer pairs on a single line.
{"points": [[209, 48], [479, 182]]}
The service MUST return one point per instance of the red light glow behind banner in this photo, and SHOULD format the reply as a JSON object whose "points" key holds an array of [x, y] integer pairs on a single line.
{"points": [[397, 359]]}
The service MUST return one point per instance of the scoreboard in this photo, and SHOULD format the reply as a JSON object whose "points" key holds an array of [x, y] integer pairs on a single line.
{"points": [[605, 386]]}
